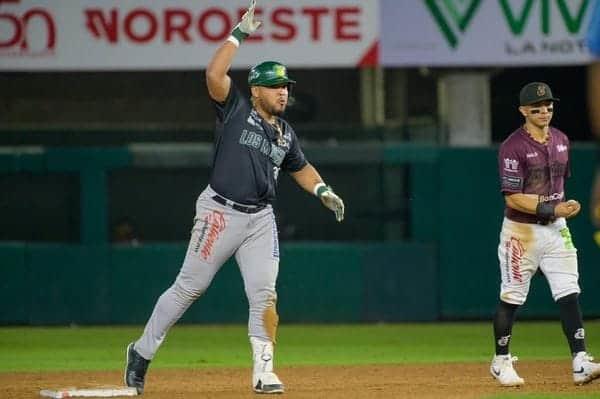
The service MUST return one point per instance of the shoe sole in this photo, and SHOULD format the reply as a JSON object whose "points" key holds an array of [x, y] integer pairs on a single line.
{"points": [[588, 379], [274, 391], [270, 389], [126, 366], [518, 384]]}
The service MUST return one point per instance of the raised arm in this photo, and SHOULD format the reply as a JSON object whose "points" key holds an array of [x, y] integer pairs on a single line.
{"points": [[217, 80]]}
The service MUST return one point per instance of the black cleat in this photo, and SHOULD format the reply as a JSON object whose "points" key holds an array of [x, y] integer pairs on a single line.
{"points": [[135, 371]]}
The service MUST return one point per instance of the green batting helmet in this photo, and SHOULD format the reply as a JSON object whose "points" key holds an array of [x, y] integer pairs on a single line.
{"points": [[269, 73]]}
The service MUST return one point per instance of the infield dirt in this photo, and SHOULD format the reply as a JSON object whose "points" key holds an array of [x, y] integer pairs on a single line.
{"points": [[451, 380]]}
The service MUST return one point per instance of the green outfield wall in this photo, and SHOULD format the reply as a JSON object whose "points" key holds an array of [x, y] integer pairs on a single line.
{"points": [[419, 242], [82, 284]]}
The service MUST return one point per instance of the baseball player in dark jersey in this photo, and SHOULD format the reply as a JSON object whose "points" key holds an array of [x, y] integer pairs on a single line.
{"points": [[534, 163], [234, 214]]}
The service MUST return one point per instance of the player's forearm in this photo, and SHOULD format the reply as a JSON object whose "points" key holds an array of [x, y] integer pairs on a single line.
{"points": [[526, 203], [221, 61], [217, 80], [307, 178], [530, 203]]}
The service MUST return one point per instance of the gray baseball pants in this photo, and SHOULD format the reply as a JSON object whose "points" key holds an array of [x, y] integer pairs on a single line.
{"points": [[218, 233]]}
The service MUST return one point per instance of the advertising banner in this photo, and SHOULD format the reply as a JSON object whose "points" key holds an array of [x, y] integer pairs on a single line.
{"points": [[182, 34], [485, 32]]}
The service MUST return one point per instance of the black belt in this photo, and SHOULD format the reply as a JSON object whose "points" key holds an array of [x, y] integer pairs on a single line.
{"points": [[238, 207]]}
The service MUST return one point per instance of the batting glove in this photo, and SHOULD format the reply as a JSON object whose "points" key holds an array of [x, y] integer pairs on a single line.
{"points": [[331, 201], [247, 25]]}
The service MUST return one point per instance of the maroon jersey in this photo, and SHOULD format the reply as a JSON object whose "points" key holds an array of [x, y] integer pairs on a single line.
{"points": [[529, 167]]}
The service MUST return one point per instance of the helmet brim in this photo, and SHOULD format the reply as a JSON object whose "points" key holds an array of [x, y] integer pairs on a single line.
{"points": [[273, 82]]}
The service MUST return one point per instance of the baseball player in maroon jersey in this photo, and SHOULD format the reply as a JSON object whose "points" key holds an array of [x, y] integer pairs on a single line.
{"points": [[234, 216], [534, 163]]}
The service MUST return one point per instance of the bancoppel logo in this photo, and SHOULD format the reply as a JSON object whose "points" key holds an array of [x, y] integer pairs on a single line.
{"points": [[561, 148], [552, 197], [532, 154], [580, 333], [26, 32], [511, 165]]}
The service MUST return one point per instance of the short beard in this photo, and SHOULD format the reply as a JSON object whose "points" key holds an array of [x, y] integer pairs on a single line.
{"points": [[270, 110], [275, 112]]}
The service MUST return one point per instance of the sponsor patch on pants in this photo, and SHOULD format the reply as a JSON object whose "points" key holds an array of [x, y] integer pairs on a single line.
{"points": [[207, 234]]}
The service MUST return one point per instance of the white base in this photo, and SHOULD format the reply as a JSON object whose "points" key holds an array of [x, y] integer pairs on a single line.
{"points": [[88, 392]]}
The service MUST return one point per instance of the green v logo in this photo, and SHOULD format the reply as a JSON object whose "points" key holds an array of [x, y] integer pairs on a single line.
{"points": [[452, 16]]}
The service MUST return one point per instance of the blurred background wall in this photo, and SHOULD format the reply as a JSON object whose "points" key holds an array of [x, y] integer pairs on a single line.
{"points": [[106, 133]]}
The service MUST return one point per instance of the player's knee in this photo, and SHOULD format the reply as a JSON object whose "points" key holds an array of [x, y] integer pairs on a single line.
{"points": [[568, 293], [261, 297], [513, 297], [187, 292], [568, 298]]}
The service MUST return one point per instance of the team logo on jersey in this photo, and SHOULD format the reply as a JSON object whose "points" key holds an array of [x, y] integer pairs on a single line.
{"points": [[561, 148], [275, 152], [532, 154], [511, 165]]}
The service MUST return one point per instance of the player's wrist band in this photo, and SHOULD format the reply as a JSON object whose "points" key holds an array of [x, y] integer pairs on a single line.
{"points": [[233, 40], [320, 188], [237, 36], [545, 210]]}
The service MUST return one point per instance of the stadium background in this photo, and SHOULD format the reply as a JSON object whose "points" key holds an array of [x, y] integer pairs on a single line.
{"points": [[87, 152]]}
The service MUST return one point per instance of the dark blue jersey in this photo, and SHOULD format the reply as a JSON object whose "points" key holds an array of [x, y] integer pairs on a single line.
{"points": [[249, 152]]}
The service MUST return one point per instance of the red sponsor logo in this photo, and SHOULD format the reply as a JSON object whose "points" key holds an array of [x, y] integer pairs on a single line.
{"points": [[517, 250], [214, 24], [19, 29], [216, 224]]}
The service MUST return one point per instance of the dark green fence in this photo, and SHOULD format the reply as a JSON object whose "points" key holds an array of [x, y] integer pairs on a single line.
{"points": [[445, 267], [62, 284]]}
